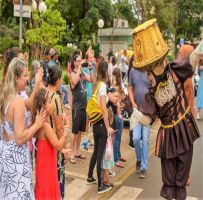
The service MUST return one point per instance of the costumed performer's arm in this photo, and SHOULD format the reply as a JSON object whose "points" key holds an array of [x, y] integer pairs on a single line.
{"points": [[196, 55]]}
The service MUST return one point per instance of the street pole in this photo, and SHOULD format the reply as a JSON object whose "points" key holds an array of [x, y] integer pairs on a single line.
{"points": [[20, 24]]}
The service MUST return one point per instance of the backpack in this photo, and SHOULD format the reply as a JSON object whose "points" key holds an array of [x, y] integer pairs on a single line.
{"points": [[93, 109]]}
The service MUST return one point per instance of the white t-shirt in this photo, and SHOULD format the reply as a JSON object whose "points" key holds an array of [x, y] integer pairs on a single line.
{"points": [[102, 92], [124, 67]]}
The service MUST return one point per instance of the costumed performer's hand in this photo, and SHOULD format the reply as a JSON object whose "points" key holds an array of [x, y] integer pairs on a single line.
{"points": [[199, 49], [137, 116]]}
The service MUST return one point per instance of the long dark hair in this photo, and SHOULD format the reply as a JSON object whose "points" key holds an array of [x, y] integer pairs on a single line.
{"points": [[117, 74], [40, 100], [8, 56], [102, 71], [73, 61]]}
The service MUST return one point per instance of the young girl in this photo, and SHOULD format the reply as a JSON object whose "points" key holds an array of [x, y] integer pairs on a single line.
{"points": [[47, 186], [118, 119], [108, 162]]}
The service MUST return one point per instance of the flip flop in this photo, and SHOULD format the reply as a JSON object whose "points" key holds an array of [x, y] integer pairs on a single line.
{"points": [[118, 164], [72, 160], [81, 156], [122, 159]]}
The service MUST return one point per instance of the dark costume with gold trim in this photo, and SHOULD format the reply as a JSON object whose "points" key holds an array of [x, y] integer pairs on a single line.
{"points": [[178, 130]]}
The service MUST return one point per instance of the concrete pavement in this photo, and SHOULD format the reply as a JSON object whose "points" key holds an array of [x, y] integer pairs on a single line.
{"points": [[76, 174], [135, 188]]}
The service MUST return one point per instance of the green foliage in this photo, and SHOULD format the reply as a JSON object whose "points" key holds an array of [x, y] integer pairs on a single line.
{"points": [[65, 55], [164, 11], [65, 78], [125, 11], [82, 18], [190, 19], [48, 28], [6, 43], [170, 57]]}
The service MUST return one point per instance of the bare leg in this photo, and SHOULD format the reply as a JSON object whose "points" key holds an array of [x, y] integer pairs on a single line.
{"points": [[106, 177], [72, 143], [78, 141]]}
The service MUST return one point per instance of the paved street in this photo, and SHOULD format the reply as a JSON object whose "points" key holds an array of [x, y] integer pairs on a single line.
{"points": [[76, 174], [127, 184], [149, 188]]}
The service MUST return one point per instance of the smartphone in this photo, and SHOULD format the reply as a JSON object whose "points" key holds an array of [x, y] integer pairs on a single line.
{"points": [[85, 64]]}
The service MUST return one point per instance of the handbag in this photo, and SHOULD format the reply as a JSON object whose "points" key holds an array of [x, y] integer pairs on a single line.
{"points": [[109, 149], [93, 109]]}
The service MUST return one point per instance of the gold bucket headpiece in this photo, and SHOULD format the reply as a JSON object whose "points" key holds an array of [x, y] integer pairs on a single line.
{"points": [[149, 46]]}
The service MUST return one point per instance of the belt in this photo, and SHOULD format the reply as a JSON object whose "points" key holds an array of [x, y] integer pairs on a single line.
{"points": [[175, 122]]}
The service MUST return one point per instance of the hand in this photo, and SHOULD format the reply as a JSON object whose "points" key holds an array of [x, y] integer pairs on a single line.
{"points": [[39, 75], [90, 66], [67, 154], [135, 106], [40, 118], [110, 131]]}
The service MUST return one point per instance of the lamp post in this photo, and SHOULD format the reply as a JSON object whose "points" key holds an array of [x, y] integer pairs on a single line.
{"points": [[21, 24], [42, 8]]}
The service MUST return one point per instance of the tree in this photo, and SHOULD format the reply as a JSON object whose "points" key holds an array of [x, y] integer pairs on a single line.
{"points": [[8, 26], [190, 19], [163, 10], [82, 17], [46, 29], [124, 10]]}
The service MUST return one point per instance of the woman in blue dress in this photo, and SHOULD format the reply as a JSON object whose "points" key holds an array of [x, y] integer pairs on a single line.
{"points": [[199, 100]]}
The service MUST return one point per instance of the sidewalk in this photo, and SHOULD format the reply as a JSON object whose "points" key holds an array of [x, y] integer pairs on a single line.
{"points": [[76, 174]]}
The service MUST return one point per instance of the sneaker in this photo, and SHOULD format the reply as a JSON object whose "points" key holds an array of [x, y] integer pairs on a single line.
{"points": [[91, 181], [103, 189], [111, 184], [112, 174], [138, 163], [143, 173]]}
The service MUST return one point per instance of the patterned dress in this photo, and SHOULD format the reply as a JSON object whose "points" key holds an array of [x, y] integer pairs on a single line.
{"points": [[16, 171], [57, 111]]}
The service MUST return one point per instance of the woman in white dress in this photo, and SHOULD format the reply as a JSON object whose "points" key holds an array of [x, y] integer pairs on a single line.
{"points": [[15, 171]]}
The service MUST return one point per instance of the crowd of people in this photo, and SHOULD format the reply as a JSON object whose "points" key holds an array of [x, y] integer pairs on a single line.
{"points": [[31, 114]]}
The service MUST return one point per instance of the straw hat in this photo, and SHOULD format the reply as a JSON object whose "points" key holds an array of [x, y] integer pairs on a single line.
{"points": [[149, 45]]}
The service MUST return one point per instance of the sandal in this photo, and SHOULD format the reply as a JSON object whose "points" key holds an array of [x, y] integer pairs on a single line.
{"points": [[72, 160], [81, 156], [118, 164], [122, 159]]}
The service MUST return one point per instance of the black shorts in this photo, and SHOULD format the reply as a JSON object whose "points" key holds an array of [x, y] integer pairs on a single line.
{"points": [[79, 118]]}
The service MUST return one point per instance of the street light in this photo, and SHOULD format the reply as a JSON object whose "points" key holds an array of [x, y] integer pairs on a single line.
{"points": [[100, 24], [42, 6]]}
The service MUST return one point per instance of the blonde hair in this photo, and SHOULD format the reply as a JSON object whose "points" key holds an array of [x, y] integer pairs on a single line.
{"points": [[8, 91], [34, 67]]}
